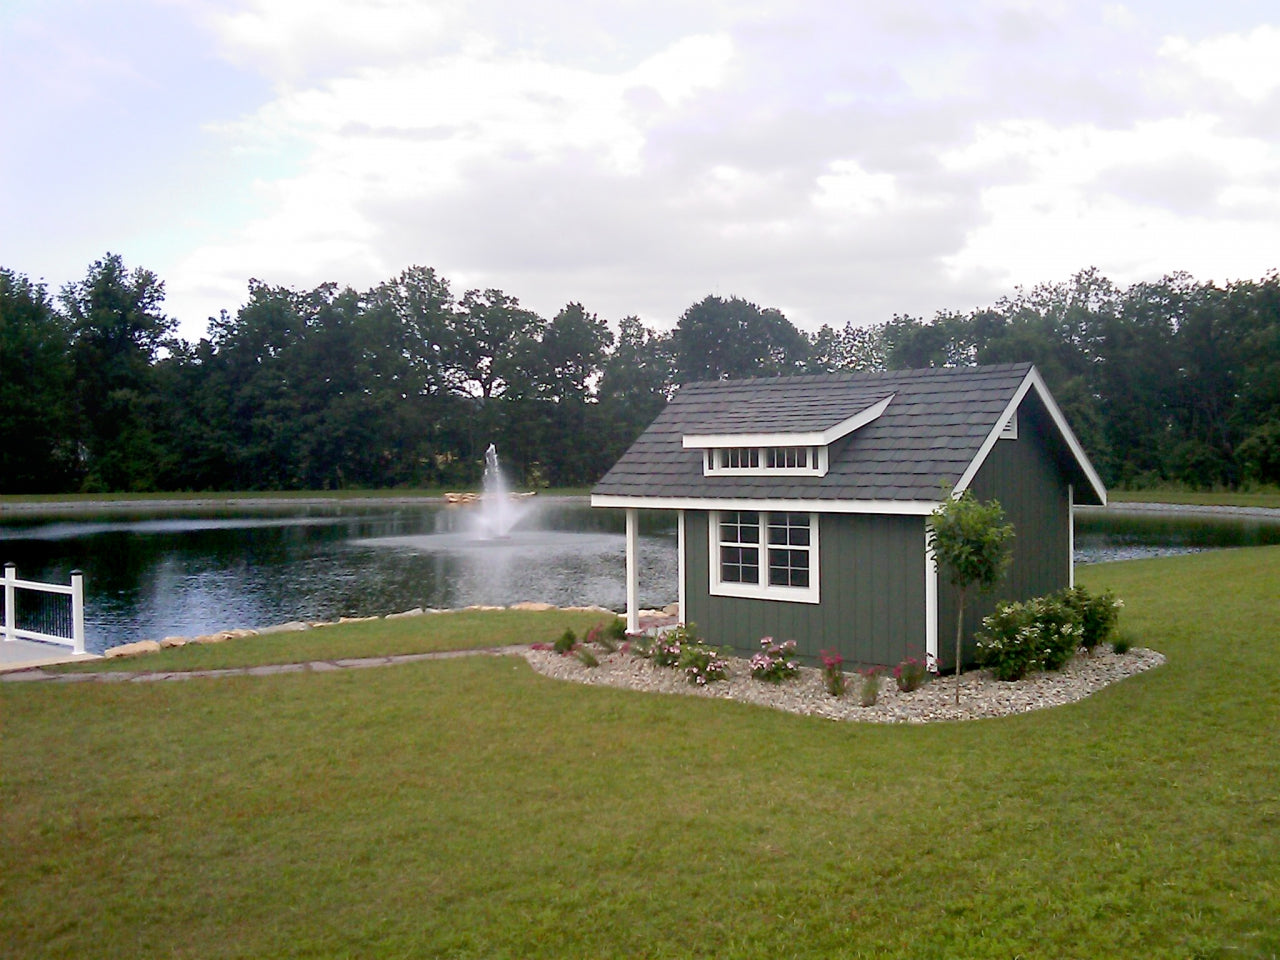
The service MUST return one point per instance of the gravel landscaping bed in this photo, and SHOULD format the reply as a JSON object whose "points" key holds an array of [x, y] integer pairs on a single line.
{"points": [[981, 696]]}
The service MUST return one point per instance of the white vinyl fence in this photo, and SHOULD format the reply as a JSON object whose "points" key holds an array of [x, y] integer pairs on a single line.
{"points": [[38, 611]]}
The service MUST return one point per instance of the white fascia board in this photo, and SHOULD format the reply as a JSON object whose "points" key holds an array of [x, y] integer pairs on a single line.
{"points": [[1033, 379], [810, 439], [909, 508]]}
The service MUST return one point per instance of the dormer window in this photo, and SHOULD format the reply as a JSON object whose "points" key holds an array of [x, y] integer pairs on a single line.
{"points": [[737, 458], [808, 461], [764, 442], [790, 458]]}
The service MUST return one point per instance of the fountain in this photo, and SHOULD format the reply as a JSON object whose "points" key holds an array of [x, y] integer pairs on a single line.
{"points": [[497, 513], [502, 549]]}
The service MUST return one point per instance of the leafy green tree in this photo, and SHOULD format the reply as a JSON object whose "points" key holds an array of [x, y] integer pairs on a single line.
{"points": [[37, 442], [572, 349], [851, 348], [912, 344], [637, 381], [722, 339], [972, 544], [423, 306], [118, 331], [485, 351]]}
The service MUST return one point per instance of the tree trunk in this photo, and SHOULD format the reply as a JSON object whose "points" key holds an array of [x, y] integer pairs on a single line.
{"points": [[959, 634]]}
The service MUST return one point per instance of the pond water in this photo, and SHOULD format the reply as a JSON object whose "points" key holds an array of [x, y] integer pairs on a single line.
{"points": [[191, 572]]}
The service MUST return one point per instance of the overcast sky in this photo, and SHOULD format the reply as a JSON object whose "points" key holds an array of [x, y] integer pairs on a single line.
{"points": [[837, 160]]}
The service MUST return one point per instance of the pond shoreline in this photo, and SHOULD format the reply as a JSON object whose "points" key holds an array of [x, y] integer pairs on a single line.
{"points": [[1184, 510], [213, 502]]}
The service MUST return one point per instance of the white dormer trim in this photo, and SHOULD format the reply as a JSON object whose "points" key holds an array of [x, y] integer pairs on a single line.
{"points": [[808, 439], [816, 466]]}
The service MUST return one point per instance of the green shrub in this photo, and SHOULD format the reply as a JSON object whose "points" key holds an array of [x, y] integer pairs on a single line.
{"points": [[909, 674], [702, 664], [1058, 624], [1120, 643], [616, 629], [833, 677], [565, 642], [1006, 645], [598, 636], [1098, 615], [1041, 634], [870, 692], [587, 658]]}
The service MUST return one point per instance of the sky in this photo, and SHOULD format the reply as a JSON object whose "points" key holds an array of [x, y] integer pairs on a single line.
{"points": [[840, 161]]}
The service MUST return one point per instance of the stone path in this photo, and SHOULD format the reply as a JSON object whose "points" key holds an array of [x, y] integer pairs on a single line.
{"points": [[37, 674]]}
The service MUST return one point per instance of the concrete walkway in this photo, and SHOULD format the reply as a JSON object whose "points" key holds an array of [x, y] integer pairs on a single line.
{"points": [[24, 654], [37, 675]]}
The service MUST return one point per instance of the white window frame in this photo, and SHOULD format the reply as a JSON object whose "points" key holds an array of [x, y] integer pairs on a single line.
{"points": [[816, 465], [763, 590]]}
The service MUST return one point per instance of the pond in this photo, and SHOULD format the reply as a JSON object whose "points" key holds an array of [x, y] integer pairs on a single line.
{"points": [[187, 572]]}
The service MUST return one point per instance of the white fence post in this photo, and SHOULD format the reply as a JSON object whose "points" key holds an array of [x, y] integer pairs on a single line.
{"points": [[77, 611], [10, 623]]}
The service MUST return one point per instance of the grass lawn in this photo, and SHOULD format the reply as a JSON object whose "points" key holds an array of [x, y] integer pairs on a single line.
{"points": [[456, 630], [471, 808], [1221, 498]]}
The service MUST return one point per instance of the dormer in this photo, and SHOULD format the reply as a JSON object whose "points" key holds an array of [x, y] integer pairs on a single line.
{"points": [[754, 446]]}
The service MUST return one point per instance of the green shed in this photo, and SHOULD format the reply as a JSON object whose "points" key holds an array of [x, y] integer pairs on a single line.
{"points": [[803, 502]]}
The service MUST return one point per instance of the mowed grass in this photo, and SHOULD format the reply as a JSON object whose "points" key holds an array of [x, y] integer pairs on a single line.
{"points": [[1269, 497], [453, 630], [471, 808]]}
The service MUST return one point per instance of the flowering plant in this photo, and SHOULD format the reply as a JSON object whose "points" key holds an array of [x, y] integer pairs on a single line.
{"points": [[909, 674], [665, 649], [833, 677], [776, 661], [1041, 634], [703, 664]]}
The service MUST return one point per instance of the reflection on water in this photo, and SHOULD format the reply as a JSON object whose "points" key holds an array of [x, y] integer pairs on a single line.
{"points": [[1119, 535], [151, 575]]}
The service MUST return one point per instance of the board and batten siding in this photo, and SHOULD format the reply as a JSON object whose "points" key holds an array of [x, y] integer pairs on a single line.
{"points": [[872, 595], [1024, 475]]}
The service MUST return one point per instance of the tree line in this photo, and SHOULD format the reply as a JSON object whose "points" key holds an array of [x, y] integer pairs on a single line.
{"points": [[405, 384]]}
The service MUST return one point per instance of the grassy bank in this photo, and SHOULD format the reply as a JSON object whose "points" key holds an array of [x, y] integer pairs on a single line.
{"points": [[471, 808], [1220, 498], [454, 630]]}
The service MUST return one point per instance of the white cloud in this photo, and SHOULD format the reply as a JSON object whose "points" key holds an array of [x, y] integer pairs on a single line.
{"points": [[1247, 63], [1156, 197], [289, 40]]}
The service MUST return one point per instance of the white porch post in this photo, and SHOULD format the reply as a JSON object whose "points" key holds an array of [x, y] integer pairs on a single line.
{"points": [[633, 570], [930, 603], [10, 623], [77, 611], [1071, 535], [680, 566]]}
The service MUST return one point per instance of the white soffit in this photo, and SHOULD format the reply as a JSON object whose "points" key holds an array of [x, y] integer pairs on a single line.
{"points": [[808, 439]]}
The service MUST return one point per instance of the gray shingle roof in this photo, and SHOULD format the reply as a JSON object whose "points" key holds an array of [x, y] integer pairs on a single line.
{"points": [[927, 436]]}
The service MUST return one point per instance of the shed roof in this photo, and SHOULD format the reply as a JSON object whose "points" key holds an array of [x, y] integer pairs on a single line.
{"points": [[936, 429]]}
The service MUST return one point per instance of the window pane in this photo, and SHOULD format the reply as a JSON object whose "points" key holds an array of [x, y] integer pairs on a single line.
{"points": [[789, 529], [739, 564], [789, 568]]}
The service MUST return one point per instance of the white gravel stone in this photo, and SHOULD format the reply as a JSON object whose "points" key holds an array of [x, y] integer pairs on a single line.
{"points": [[980, 696]]}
